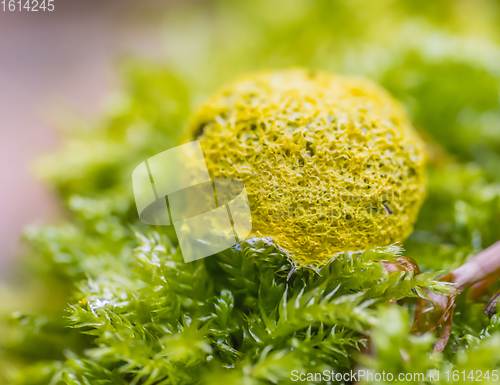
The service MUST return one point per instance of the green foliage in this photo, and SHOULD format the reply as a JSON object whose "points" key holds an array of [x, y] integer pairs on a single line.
{"points": [[246, 310], [106, 299]]}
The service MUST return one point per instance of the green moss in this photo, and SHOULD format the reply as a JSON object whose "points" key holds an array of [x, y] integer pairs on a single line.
{"points": [[105, 299]]}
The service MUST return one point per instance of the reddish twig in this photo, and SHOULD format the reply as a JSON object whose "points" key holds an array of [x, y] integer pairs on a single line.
{"points": [[438, 312]]}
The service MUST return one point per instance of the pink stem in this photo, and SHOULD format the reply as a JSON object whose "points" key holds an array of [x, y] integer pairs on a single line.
{"points": [[478, 268]]}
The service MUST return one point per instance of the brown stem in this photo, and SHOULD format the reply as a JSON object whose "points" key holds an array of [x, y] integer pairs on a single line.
{"points": [[481, 266], [438, 313], [491, 307], [481, 288]]}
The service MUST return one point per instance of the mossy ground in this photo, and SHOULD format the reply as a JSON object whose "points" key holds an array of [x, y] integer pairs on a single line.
{"points": [[104, 299]]}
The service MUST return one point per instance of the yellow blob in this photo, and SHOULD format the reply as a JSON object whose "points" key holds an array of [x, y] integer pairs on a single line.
{"points": [[330, 163]]}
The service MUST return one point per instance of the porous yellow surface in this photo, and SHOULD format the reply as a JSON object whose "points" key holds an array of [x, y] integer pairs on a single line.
{"points": [[330, 163]]}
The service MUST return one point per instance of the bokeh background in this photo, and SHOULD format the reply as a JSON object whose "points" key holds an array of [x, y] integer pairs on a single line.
{"points": [[56, 66], [70, 70]]}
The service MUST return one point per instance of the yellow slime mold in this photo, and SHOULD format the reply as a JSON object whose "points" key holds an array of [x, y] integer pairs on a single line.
{"points": [[330, 163]]}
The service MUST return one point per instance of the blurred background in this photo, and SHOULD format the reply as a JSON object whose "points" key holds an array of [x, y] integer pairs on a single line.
{"points": [[54, 64], [119, 78]]}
